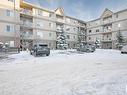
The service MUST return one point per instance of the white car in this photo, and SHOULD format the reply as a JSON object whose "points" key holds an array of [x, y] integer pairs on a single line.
{"points": [[124, 49]]}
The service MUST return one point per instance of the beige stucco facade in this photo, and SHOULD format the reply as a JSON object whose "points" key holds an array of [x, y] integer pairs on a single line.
{"points": [[23, 24], [106, 28]]}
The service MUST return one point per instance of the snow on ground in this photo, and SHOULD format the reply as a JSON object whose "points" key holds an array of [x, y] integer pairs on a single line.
{"points": [[103, 72]]}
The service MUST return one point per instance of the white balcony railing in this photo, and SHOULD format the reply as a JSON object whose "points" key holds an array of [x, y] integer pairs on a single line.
{"points": [[107, 21], [107, 39], [60, 20], [107, 30]]}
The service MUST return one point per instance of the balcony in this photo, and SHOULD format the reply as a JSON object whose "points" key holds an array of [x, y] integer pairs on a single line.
{"points": [[27, 35], [107, 31], [107, 21], [60, 20], [27, 24], [26, 12], [107, 40], [82, 33], [81, 25]]}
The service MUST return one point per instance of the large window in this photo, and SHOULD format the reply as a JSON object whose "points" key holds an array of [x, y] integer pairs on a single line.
{"points": [[68, 36], [90, 31], [50, 34], [9, 13], [50, 24], [89, 38], [9, 28], [97, 30]]}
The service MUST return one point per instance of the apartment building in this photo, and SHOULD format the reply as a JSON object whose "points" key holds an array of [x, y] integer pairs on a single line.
{"points": [[106, 28], [9, 22], [23, 24], [41, 25]]}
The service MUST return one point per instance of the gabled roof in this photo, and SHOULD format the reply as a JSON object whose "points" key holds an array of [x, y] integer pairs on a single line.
{"points": [[106, 13], [59, 11]]}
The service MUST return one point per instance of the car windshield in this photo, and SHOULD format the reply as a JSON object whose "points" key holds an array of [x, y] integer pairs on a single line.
{"points": [[42, 46]]}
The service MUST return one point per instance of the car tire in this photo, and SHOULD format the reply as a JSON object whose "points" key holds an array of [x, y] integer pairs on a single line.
{"points": [[122, 52], [47, 54]]}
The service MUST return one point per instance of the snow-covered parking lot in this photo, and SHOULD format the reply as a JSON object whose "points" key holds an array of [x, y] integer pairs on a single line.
{"points": [[103, 72]]}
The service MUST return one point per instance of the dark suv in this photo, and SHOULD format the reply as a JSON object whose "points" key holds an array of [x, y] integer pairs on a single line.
{"points": [[40, 49]]}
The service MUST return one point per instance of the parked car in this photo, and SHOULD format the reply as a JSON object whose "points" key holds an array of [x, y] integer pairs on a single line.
{"points": [[40, 49], [86, 48], [124, 49]]}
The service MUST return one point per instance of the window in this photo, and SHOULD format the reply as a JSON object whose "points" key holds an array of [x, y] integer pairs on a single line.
{"points": [[74, 37], [74, 29], [117, 15], [9, 13], [11, 0], [68, 36], [50, 34], [51, 14], [90, 31], [74, 45], [9, 28], [97, 30], [89, 38], [50, 24], [40, 12]]}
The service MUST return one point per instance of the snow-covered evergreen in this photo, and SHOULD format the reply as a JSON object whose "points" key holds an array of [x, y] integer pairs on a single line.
{"points": [[97, 43], [61, 39], [120, 40]]}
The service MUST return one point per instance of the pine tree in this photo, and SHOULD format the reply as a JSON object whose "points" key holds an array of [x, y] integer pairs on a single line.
{"points": [[97, 43], [61, 39], [120, 40]]}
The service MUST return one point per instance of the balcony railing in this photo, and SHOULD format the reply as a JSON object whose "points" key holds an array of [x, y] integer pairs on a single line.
{"points": [[27, 24], [107, 40], [107, 31], [60, 20], [26, 36], [26, 11], [108, 21]]}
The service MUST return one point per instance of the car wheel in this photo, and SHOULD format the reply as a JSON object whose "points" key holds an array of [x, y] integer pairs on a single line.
{"points": [[122, 52], [47, 54]]}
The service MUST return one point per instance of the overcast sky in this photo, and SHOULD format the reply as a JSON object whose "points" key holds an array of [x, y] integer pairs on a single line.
{"points": [[83, 9]]}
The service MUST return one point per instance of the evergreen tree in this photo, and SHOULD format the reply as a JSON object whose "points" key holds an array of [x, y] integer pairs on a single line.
{"points": [[120, 40], [97, 43], [61, 39]]}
